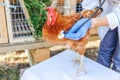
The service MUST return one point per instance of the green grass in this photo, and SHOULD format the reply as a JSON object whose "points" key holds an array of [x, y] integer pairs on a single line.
{"points": [[11, 73]]}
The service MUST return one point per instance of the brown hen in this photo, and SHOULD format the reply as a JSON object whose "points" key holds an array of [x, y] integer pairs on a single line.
{"points": [[56, 23]]}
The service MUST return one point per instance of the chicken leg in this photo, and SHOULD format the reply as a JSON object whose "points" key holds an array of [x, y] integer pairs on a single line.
{"points": [[80, 59]]}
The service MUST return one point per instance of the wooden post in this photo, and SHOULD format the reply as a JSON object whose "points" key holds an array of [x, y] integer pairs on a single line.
{"points": [[54, 3], [73, 6], [66, 7], [40, 54], [69, 7], [8, 19], [3, 26], [29, 55]]}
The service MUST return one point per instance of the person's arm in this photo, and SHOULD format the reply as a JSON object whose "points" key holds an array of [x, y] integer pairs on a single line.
{"points": [[101, 21], [112, 20]]}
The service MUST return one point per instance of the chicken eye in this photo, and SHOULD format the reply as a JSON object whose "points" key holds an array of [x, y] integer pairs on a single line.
{"points": [[52, 16]]}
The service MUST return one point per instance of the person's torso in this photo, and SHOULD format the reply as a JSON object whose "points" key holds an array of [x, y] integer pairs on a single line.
{"points": [[109, 6]]}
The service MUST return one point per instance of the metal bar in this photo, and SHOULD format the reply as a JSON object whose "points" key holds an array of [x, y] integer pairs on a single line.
{"points": [[17, 13], [18, 19]]}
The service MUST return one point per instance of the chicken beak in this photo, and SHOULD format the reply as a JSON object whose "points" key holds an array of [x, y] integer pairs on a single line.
{"points": [[46, 9], [49, 21]]}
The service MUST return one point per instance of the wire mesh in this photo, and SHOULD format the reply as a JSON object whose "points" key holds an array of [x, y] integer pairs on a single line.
{"points": [[78, 7], [20, 24]]}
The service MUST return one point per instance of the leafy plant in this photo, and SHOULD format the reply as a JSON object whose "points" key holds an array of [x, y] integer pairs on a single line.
{"points": [[47, 2], [9, 74], [37, 14]]}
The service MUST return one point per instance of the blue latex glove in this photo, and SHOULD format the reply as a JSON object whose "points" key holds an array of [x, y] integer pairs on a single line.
{"points": [[77, 31]]}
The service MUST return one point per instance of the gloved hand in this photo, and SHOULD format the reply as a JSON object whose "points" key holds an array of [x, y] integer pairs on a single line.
{"points": [[77, 31]]}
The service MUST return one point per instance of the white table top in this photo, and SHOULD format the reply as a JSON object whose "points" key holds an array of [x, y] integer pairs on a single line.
{"points": [[60, 67]]}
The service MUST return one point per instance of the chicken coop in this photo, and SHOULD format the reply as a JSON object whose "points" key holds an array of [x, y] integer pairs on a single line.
{"points": [[15, 25], [16, 31]]}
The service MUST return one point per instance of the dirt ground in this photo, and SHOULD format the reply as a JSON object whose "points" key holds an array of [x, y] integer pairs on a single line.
{"points": [[11, 63]]}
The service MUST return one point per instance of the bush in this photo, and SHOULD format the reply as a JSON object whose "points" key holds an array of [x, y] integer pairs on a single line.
{"points": [[37, 14]]}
